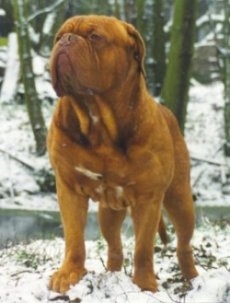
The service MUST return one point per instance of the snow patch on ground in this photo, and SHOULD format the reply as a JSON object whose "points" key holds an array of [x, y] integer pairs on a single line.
{"points": [[25, 272], [211, 287]]}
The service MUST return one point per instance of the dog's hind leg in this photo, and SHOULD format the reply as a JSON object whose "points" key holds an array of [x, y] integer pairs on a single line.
{"points": [[180, 207]]}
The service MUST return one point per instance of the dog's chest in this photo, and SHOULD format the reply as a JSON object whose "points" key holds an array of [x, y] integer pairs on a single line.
{"points": [[101, 128], [101, 189], [99, 123]]}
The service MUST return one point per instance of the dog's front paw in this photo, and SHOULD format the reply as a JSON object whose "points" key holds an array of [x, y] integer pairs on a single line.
{"points": [[145, 281], [66, 276]]}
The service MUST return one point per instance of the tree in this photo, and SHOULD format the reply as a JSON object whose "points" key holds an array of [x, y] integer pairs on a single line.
{"points": [[31, 98], [226, 76], [176, 84], [158, 48]]}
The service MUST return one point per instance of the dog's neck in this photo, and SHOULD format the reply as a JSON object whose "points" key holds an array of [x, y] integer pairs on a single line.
{"points": [[112, 117]]}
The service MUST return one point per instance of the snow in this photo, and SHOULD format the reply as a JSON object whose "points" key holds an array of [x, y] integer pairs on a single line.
{"points": [[204, 19], [25, 272], [49, 23], [2, 12], [213, 286], [10, 81], [205, 139]]}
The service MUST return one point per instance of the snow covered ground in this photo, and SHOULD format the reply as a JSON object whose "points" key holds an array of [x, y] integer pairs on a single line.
{"points": [[25, 271]]}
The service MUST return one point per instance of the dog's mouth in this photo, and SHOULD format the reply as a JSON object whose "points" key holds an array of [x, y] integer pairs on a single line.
{"points": [[64, 77], [61, 71]]}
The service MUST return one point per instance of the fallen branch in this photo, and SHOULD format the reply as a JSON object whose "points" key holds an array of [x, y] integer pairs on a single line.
{"points": [[212, 162], [27, 165]]}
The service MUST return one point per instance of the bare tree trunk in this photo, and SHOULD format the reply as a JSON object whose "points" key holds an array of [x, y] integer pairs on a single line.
{"points": [[226, 76], [158, 50], [175, 88], [130, 9], [31, 98], [116, 10]]}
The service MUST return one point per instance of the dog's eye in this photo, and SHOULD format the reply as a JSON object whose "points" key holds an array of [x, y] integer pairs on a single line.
{"points": [[95, 37]]}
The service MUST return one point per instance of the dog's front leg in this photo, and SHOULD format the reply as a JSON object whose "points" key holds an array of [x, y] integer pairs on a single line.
{"points": [[145, 215], [73, 213]]}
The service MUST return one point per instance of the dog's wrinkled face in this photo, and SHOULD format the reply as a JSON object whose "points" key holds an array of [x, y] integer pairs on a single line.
{"points": [[93, 54]]}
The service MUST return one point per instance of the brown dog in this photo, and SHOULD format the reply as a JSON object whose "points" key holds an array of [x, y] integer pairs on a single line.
{"points": [[111, 142]]}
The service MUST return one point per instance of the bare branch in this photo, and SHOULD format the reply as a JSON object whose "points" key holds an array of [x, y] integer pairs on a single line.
{"points": [[46, 10]]}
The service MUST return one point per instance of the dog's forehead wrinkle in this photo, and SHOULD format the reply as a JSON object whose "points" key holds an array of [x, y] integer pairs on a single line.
{"points": [[102, 27]]}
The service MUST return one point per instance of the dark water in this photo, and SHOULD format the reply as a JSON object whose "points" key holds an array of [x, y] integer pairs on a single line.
{"points": [[17, 226]]}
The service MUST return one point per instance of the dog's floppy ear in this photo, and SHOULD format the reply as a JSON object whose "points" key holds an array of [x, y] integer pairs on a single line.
{"points": [[139, 47]]}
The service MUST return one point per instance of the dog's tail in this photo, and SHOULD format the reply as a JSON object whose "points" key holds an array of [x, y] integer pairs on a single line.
{"points": [[162, 231]]}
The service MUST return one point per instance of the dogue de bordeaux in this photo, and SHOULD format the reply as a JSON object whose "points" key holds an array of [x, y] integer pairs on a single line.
{"points": [[111, 142]]}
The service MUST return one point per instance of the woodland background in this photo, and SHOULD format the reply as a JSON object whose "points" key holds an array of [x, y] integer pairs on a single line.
{"points": [[188, 69]]}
